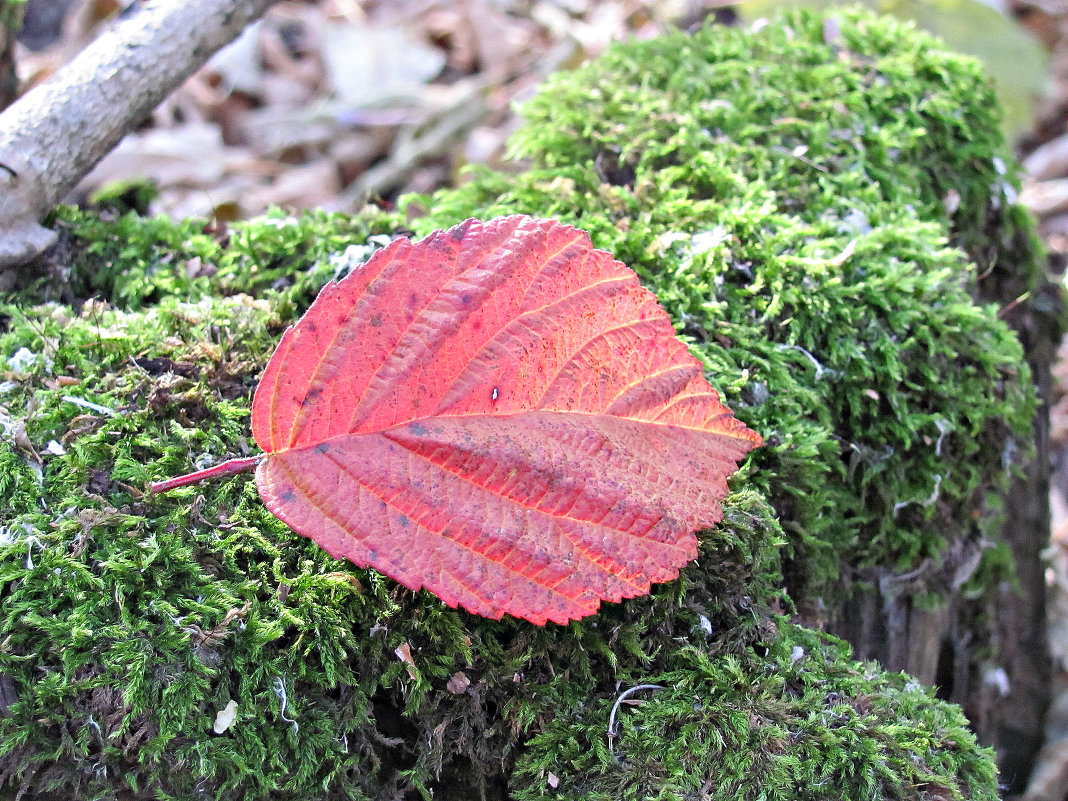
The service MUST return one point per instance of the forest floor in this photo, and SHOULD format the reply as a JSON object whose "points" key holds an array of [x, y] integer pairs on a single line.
{"points": [[326, 103]]}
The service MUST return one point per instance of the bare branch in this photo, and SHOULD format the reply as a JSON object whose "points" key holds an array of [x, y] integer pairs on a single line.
{"points": [[52, 136]]}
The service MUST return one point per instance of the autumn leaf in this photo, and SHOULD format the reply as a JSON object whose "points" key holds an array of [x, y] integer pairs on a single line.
{"points": [[500, 414]]}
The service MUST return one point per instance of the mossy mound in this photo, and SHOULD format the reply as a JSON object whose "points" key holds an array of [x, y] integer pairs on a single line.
{"points": [[133, 261], [785, 194], [844, 115], [834, 317]]}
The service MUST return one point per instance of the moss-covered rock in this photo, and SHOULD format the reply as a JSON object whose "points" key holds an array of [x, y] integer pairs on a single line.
{"points": [[785, 193]]}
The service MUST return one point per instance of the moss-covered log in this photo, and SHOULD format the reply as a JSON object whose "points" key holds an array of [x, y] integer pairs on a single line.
{"points": [[786, 194]]}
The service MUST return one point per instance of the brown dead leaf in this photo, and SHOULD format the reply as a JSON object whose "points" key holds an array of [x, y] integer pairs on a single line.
{"points": [[370, 65], [80, 426], [304, 187], [303, 68], [207, 638], [186, 155], [14, 431], [404, 654], [459, 683], [499, 38]]}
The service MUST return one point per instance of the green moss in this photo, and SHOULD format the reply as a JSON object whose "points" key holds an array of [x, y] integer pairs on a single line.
{"points": [[876, 113], [799, 721], [786, 199], [190, 259]]}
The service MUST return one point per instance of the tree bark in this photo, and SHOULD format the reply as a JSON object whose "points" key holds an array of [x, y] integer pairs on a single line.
{"points": [[52, 136]]}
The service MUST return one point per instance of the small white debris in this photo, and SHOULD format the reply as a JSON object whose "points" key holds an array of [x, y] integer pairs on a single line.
{"points": [[704, 241], [855, 222], [951, 202], [706, 624], [55, 448], [280, 222], [22, 361], [815, 362], [944, 428], [355, 256], [797, 653], [225, 717], [1009, 454], [283, 702], [31, 540], [664, 243], [998, 678], [96, 407]]}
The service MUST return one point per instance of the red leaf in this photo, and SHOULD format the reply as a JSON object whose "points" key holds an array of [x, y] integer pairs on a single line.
{"points": [[501, 414]]}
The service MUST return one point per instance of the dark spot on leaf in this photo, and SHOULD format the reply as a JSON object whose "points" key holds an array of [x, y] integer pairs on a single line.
{"points": [[322, 447], [404, 521], [418, 429], [458, 232], [376, 320], [288, 496]]}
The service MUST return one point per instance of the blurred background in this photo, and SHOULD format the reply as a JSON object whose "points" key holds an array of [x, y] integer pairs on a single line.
{"points": [[331, 102], [339, 103]]}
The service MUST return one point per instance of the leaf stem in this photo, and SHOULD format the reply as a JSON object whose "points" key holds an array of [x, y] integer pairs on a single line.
{"points": [[224, 469]]}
